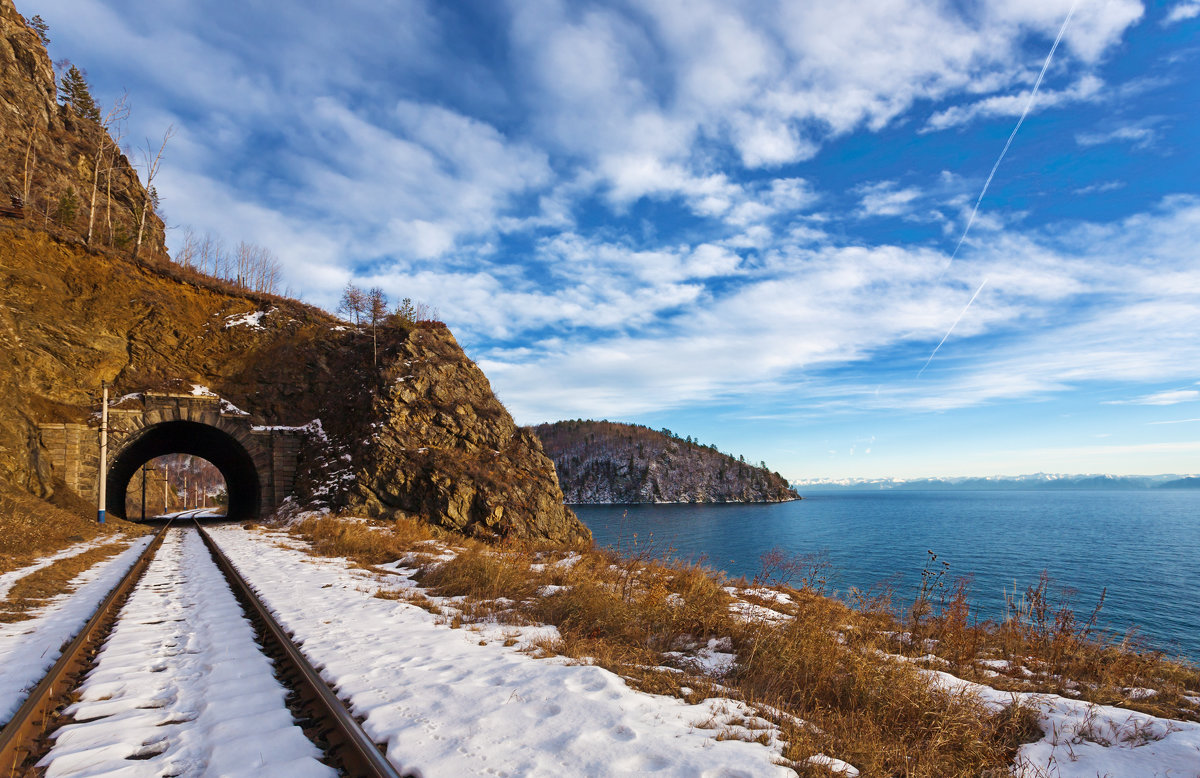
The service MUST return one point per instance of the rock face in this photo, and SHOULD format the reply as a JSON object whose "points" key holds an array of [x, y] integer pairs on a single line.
{"points": [[606, 462], [48, 153], [418, 434]]}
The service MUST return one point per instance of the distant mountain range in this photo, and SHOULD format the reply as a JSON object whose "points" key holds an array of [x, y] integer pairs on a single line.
{"points": [[1038, 481]]}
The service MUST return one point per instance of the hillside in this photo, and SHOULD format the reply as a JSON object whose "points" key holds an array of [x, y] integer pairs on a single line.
{"points": [[416, 433], [607, 462]]}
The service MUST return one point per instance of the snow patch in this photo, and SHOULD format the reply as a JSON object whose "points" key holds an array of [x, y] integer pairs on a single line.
{"points": [[1083, 740], [9, 579], [28, 648], [253, 320], [834, 765], [314, 428]]}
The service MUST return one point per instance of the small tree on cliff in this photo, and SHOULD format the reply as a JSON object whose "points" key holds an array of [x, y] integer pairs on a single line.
{"points": [[353, 302], [377, 311], [40, 28], [152, 161], [77, 94], [106, 145]]}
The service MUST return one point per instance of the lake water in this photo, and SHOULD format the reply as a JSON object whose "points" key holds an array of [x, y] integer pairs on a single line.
{"points": [[1144, 546]]}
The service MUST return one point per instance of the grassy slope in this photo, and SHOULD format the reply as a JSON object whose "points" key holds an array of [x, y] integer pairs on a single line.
{"points": [[818, 659]]}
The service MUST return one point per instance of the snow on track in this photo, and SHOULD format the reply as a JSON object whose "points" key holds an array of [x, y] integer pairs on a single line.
{"points": [[29, 648], [9, 579], [445, 705], [181, 688]]}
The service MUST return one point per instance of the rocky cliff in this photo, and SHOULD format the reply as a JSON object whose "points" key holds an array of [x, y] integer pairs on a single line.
{"points": [[606, 462], [420, 433], [49, 155]]}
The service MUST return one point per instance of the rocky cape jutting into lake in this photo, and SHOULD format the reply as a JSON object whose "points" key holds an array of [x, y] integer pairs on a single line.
{"points": [[405, 426], [600, 462]]}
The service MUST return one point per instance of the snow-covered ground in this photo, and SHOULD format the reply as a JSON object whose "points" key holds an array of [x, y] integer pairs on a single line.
{"points": [[459, 702], [1084, 740], [7, 580], [29, 648], [445, 701], [181, 687]]}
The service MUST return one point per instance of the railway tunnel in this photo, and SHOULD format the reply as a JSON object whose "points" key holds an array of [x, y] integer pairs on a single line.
{"points": [[257, 459], [220, 448]]}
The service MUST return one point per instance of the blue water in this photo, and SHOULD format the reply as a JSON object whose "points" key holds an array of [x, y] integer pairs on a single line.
{"points": [[1144, 546]]}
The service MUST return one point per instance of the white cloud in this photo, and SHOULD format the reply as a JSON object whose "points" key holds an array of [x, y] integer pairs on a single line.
{"points": [[1181, 11], [1099, 188], [1140, 134], [884, 199], [1170, 397], [639, 96], [1063, 308], [1089, 88]]}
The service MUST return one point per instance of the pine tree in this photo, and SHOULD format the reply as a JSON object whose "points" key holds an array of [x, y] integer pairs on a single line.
{"points": [[77, 94], [40, 28], [68, 206]]}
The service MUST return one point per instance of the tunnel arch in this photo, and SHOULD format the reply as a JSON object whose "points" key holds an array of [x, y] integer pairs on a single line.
{"points": [[223, 450]]}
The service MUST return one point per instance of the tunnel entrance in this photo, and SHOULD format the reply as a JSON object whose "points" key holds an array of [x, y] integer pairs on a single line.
{"points": [[219, 448], [176, 484]]}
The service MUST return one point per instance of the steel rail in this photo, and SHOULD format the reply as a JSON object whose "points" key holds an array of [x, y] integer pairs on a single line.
{"points": [[18, 739], [346, 742]]}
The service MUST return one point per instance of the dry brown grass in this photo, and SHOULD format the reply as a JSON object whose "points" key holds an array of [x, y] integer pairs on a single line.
{"points": [[818, 666], [39, 587], [31, 528], [364, 541], [1050, 648], [817, 670]]}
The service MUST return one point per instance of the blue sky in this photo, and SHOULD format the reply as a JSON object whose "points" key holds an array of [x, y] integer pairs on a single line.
{"points": [[733, 221]]}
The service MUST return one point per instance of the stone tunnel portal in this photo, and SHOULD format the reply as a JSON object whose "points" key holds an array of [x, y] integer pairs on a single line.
{"points": [[236, 465], [258, 461]]}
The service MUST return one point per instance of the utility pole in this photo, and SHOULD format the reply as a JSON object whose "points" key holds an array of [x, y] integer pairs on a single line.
{"points": [[166, 477], [144, 493], [103, 456]]}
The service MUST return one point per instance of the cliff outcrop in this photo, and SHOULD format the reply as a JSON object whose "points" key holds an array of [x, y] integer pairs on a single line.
{"points": [[607, 462], [419, 433], [50, 156]]}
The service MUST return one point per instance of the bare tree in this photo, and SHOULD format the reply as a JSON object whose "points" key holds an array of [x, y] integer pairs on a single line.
{"points": [[377, 311], [189, 252], [117, 114], [353, 302], [30, 165], [152, 163], [210, 256], [243, 257], [265, 270]]}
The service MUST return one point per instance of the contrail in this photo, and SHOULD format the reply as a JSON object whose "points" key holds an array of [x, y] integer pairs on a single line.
{"points": [[1013, 134], [988, 182], [952, 326]]}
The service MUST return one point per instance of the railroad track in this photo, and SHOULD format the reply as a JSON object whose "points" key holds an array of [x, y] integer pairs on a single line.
{"points": [[136, 709]]}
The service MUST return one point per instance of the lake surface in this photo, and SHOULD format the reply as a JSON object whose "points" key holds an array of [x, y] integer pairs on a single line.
{"points": [[1144, 546]]}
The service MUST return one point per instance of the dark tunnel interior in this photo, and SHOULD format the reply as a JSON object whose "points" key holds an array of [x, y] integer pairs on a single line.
{"points": [[187, 437]]}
